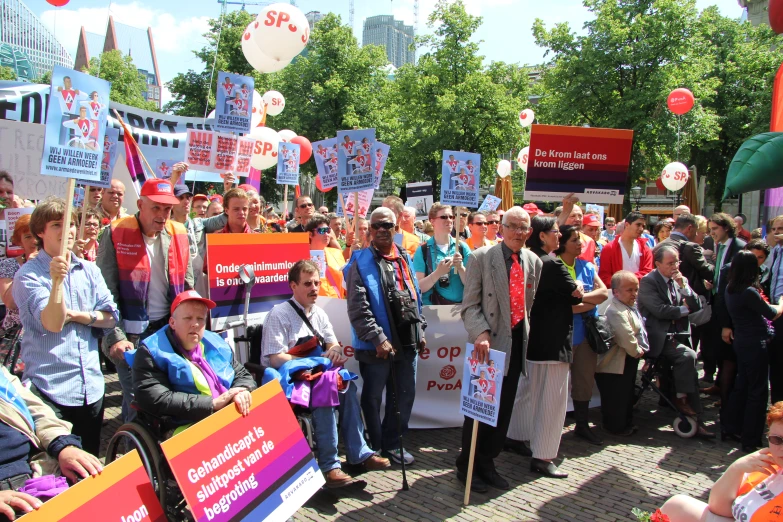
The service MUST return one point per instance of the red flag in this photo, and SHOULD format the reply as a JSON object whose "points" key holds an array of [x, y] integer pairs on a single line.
{"points": [[133, 162], [297, 191], [776, 121]]}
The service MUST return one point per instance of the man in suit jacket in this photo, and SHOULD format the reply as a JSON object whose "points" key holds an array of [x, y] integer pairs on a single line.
{"points": [[693, 266], [487, 314], [665, 301]]}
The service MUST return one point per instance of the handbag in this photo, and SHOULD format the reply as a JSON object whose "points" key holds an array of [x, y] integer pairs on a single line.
{"points": [[598, 332]]}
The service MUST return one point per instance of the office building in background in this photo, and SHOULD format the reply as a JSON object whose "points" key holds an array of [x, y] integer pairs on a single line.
{"points": [[393, 35]]}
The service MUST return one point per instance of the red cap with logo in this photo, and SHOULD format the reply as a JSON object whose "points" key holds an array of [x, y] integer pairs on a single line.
{"points": [[200, 196], [532, 209], [591, 220], [160, 191], [216, 197], [191, 295]]}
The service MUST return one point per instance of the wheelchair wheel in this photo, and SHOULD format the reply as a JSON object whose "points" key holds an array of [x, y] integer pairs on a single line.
{"points": [[137, 436], [685, 427]]}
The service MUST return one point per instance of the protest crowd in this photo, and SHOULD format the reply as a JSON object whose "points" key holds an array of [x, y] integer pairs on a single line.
{"points": [[537, 287]]}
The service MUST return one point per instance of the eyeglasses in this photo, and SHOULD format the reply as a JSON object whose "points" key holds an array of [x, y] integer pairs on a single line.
{"points": [[775, 439], [493, 222], [306, 205], [480, 224], [95, 189], [674, 264], [553, 231], [92, 225], [385, 225], [322, 231], [515, 229], [310, 284], [448, 217], [463, 214]]}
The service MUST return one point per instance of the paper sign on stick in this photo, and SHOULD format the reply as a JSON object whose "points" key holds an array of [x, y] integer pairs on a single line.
{"points": [[288, 163], [234, 102], [354, 160], [233, 468], [12, 215], [380, 153], [326, 162], [109, 158], [460, 175], [481, 385], [365, 199], [490, 203]]}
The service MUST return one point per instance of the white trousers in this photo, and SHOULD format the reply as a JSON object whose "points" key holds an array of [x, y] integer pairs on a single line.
{"points": [[540, 408]]}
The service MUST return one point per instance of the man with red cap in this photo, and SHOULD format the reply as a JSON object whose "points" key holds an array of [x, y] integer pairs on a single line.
{"points": [[532, 209], [591, 227], [186, 373], [146, 263], [199, 205]]}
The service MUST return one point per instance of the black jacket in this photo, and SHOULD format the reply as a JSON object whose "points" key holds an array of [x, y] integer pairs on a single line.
{"points": [[154, 395], [660, 316], [551, 318], [693, 266]]}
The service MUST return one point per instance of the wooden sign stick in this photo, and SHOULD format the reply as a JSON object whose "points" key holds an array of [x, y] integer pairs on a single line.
{"points": [[57, 285], [471, 461]]}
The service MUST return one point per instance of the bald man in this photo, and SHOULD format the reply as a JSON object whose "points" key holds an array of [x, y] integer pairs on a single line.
{"points": [[111, 201]]}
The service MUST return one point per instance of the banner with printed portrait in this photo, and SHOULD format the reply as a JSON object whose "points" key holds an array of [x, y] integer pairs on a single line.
{"points": [[109, 158], [354, 160], [460, 178], [288, 163], [326, 162], [233, 102]]}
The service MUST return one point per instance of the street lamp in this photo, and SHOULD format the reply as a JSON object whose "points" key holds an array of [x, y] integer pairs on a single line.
{"points": [[636, 195]]}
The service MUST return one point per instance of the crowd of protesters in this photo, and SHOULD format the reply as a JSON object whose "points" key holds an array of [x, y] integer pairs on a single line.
{"points": [[130, 294]]}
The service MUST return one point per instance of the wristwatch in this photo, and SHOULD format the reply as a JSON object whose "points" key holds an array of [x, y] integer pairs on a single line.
{"points": [[93, 318]]}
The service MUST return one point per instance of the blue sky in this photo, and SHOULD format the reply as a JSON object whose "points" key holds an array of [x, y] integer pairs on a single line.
{"points": [[177, 25]]}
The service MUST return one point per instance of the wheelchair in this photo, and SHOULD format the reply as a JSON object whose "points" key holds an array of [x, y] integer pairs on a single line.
{"points": [[654, 371]]}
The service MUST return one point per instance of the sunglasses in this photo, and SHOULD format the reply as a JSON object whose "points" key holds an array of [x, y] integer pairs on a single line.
{"points": [[310, 284], [322, 231], [306, 205], [463, 214], [493, 222], [446, 217], [385, 226], [775, 439]]}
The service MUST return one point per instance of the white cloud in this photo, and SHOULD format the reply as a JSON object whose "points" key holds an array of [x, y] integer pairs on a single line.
{"points": [[174, 36]]}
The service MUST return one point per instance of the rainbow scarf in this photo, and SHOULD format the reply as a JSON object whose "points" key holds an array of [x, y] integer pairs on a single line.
{"points": [[135, 272]]}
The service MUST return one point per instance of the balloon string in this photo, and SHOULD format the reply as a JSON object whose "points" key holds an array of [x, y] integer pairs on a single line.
{"points": [[214, 64], [678, 138]]}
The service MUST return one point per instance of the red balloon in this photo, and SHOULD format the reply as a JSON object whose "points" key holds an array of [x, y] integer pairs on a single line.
{"points": [[776, 15], [680, 101], [305, 148], [57, 3], [318, 184], [659, 184]]}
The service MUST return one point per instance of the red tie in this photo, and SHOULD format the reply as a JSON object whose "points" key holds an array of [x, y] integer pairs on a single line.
{"points": [[516, 284]]}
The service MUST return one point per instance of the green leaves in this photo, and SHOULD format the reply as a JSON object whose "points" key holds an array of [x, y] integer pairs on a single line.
{"points": [[127, 84], [756, 165]]}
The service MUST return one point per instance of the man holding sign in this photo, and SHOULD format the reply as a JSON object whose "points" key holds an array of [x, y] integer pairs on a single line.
{"points": [[493, 319]]}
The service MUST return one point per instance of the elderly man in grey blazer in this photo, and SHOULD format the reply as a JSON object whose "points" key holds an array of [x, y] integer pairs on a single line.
{"points": [[500, 286]]}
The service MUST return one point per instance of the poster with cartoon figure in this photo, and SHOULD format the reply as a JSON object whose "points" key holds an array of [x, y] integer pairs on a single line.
{"points": [[365, 200], [75, 125], [481, 387], [163, 169], [233, 102], [288, 163], [460, 178], [354, 160], [325, 156], [109, 157], [380, 153]]}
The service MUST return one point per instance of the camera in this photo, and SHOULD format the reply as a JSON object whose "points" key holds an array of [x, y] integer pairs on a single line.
{"points": [[444, 281]]}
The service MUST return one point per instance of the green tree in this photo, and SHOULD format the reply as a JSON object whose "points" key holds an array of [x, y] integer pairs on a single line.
{"points": [[6, 73], [127, 83], [620, 73], [450, 100]]}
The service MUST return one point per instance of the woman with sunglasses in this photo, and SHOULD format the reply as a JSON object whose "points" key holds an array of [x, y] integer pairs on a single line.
{"points": [[751, 315], [321, 235], [749, 489]]}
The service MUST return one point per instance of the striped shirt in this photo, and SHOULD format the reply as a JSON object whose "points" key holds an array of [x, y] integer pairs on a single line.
{"points": [[63, 365], [283, 327]]}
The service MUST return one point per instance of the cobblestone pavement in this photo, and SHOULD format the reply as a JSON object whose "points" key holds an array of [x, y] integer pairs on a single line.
{"points": [[604, 483]]}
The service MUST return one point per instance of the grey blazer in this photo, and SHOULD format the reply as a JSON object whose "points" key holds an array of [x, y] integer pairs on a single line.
{"points": [[486, 304]]}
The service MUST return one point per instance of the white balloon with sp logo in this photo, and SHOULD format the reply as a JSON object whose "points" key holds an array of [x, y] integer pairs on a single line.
{"points": [[526, 117], [504, 168], [674, 176], [275, 103], [253, 54], [283, 31], [265, 149], [522, 158], [286, 135]]}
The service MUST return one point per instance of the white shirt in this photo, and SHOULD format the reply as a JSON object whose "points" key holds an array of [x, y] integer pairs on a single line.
{"points": [[158, 305], [632, 262], [283, 328]]}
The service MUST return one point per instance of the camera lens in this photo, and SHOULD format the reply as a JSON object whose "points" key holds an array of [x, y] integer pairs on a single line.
{"points": [[443, 282]]}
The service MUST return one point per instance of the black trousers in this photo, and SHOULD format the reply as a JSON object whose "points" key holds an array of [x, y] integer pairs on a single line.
{"points": [[490, 440], [746, 412], [617, 393], [87, 420], [775, 348]]}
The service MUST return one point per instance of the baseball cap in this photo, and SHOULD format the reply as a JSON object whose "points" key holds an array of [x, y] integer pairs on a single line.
{"points": [[591, 220], [216, 197], [200, 196], [247, 186], [191, 295], [181, 190], [532, 209], [159, 191]]}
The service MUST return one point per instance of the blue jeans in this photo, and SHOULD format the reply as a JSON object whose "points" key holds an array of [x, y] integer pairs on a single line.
{"points": [[376, 374], [126, 383], [351, 428]]}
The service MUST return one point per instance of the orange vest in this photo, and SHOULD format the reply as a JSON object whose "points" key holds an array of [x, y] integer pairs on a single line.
{"points": [[332, 284], [410, 242], [759, 498], [487, 242]]}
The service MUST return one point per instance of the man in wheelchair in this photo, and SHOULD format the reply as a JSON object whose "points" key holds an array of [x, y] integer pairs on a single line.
{"points": [[183, 373], [296, 331], [27, 425]]}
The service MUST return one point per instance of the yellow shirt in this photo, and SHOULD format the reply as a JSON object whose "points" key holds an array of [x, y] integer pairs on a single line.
{"points": [[332, 284]]}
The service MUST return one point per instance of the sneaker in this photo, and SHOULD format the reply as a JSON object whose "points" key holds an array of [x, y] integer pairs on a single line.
{"points": [[394, 455]]}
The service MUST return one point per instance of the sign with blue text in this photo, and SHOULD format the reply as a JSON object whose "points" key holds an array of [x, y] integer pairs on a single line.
{"points": [[481, 385], [325, 156], [460, 179], [354, 160], [288, 163], [233, 102]]}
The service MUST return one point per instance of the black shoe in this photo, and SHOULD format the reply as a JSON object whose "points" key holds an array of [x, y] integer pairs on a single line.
{"points": [[584, 431], [725, 435], [517, 447], [546, 468], [496, 481], [749, 449], [477, 485]]}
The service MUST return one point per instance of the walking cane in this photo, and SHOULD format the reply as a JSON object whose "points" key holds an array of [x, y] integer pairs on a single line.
{"points": [[399, 420]]}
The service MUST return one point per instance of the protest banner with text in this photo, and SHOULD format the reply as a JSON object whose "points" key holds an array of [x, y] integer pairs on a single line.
{"points": [[460, 177], [270, 256], [354, 160], [365, 199], [121, 492], [21, 146], [233, 468], [75, 125], [109, 158], [379, 156], [12, 215], [591, 163], [490, 203], [233, 102], [288, 163], [419, 196], [326, 163], [481, 385]]}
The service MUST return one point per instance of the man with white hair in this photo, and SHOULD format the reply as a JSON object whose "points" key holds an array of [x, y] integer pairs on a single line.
{"points": [[741, 233], [384, 307], [408, 223], [495, 320], [682, 209], [408, 241]]}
